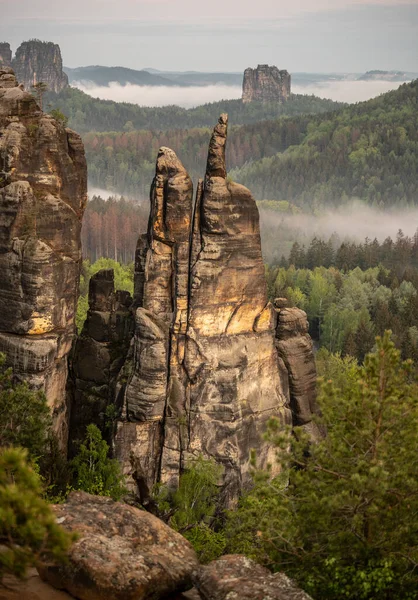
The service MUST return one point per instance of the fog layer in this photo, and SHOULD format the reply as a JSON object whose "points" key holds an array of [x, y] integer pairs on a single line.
{"points": [[187, 97], [352, 222], [347, 91]]}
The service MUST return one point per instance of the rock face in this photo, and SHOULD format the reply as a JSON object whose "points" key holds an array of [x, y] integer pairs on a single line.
{"points": [[37, 61], [122, 553], [5, 55], [295, 348], [100, 352], [235, 576], [43, 192], [265, 84], [204, 372]]}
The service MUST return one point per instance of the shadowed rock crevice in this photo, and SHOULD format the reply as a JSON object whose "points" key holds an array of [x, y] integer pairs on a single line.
{"points": [[204, 376]]}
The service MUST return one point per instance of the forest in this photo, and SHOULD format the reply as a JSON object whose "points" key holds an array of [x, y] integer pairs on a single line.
{"points": [[367, 151], [92, 114]]}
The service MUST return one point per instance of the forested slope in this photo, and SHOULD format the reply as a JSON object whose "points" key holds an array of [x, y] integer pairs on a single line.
{"points": [[92, 114], [368, 150]]}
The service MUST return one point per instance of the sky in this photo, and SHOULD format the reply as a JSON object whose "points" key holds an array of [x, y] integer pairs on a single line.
{"points": [[222, 35]]}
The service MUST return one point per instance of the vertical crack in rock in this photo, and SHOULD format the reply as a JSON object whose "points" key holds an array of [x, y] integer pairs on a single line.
{"points": [[205, 372], [43, 192]]}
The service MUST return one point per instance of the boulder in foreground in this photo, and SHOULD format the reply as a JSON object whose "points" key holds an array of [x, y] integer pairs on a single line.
{"points": [[236, 577], [122, 553]]}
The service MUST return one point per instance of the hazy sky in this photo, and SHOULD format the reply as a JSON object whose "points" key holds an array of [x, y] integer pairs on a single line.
{"points": [[228, 35]]}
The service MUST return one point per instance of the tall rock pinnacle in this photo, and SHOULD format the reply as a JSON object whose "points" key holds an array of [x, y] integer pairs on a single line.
{"points": [[266, 84], [36, 62], [204, 374], [43, 192]]}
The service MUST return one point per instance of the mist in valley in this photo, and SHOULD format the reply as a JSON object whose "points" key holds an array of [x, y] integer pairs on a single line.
{"points": [[149, 95], [351, 222], [189, 97]]}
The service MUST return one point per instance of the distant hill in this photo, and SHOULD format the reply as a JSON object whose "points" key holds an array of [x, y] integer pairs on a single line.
{"points": [[387, 76], [92, 114], [103, 76], [367, 150]]}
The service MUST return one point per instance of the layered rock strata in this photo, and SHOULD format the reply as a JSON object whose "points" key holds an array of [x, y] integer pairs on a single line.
{"points": [[36, 62], [266, 84], [204, 370], [43, 192]]}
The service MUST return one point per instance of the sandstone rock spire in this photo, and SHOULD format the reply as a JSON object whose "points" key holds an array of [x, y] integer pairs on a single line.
{"points": [[204, 375], [36, 62], [43, 191], [266, 84]]}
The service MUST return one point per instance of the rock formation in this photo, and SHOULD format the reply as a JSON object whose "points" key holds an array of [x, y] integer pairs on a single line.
{"points": [[37, 61], [5, 55], [265, 84], [43, 191], [295, 348], [203, 374], [122, 553], [100, 352], [236, 576]]}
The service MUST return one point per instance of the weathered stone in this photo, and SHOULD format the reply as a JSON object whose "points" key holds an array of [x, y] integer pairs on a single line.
{"points": [[295, 348], [236, 577], [121, 553], [5, 55], [205, 372], [265, 84], [99, 354], [36, 62], [43, 192], [30, 588]]}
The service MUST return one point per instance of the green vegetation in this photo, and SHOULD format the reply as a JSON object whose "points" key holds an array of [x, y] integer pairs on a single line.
{"points": [[348, 305], [368, 150], [91, 114], [25, 418], [29, 534], [94, 472], [124, 280], [191, 508], [346, 524]]}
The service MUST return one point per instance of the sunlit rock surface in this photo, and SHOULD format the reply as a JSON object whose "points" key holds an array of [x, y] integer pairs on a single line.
{"points": [[204, 374], [43, 192]]}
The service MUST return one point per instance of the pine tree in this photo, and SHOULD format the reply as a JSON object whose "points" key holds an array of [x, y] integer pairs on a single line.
{"points": [[346, 525]]}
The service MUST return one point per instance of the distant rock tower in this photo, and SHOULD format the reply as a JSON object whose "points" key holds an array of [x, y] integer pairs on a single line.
{"points": [[37, 61], [265, 84], [5, 55]]}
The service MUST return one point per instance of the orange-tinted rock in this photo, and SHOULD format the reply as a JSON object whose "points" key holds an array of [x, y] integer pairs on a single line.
{"points": [[205, 372], [43, 192]]}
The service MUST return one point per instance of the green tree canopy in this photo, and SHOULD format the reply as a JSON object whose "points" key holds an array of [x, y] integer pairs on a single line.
{"points": [[347, 523]]}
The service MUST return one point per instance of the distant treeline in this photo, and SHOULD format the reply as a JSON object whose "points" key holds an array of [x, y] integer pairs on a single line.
{"points": [[354, 292], [368, 150], [126, 161], [92, 114], [111, 228]]}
